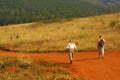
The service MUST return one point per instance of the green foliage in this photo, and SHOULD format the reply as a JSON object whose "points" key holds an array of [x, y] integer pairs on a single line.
{"points": [[63, 78], [5, 61], [23, 70], [59, 71], [25, 63], [2, 65], [22, 11], [47, 64]]}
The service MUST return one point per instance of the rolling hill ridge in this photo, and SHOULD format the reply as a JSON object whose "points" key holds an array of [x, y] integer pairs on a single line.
{"points": [[22, 11]]}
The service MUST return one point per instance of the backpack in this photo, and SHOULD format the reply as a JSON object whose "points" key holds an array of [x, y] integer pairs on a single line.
{"points": [[101, 43]]}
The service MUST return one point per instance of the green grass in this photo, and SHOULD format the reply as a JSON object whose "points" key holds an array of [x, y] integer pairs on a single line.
{"points": [[28, 69], [54, 36], [47, 64], [59, 71]]}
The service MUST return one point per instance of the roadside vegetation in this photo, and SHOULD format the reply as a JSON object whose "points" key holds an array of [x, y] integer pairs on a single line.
{"points": [[17, 68], [50, 36]]}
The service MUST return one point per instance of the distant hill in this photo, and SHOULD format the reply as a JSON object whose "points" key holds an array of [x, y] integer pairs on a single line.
{"points": [[22, 11], [106, 3]]}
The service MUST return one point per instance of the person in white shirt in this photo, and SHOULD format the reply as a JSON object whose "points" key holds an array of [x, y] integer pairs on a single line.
{"points": [[71, 47], [100, 45]]}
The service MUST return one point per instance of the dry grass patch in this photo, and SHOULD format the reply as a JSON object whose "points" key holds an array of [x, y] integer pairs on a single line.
{"points": [[25, 68], [39, 37]]}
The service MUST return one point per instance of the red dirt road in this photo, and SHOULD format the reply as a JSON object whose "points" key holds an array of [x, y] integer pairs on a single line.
{"points": [[85, 64]]}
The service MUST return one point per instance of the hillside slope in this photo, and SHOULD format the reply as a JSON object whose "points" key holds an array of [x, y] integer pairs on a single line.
{"points": [[112, 3], [22, 11], [53, 36]]}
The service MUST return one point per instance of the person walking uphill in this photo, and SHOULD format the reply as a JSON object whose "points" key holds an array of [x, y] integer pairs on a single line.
{"points": [[100, 45], [71, 47]]}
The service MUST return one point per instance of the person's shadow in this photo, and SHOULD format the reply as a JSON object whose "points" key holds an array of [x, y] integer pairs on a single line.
{"points": [[85, 59]]}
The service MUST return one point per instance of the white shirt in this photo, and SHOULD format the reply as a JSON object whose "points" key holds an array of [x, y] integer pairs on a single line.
{"points": [[71, 45]]}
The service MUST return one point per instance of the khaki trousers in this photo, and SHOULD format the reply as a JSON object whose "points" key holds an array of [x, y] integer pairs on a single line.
{"points": [[101, 51], [71, 53]]}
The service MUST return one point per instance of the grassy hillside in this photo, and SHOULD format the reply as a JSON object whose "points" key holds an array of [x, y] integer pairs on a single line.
{"points": [[54, 36]]}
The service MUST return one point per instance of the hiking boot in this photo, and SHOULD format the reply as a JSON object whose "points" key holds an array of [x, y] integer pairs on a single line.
{"points": [[98, 57], [71, 62], [102, 57]]}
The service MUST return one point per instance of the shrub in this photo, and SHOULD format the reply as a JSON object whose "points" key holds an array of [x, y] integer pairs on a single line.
{"points": [[63, 78], [47, 64], [5, 61], [24, 63], [113, 23], [59, 71], [2, 65]]}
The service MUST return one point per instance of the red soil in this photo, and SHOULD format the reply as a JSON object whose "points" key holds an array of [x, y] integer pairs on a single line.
{"points": [[85, 64]]}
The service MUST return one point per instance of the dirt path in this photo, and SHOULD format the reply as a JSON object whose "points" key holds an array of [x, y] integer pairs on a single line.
{"points": [[85, 64]]}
